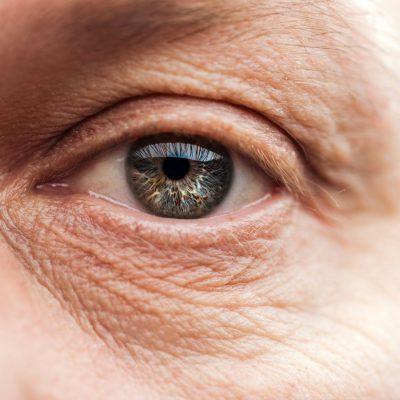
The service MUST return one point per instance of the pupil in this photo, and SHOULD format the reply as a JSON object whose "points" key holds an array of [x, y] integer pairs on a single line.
{"points": [[176, 168]]}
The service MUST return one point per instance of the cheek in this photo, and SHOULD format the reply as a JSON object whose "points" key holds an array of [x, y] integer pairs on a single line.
{"points": [[273, 303], [43, 353]]}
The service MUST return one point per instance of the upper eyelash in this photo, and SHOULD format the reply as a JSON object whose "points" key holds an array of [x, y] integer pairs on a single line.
{"points": [[177, 149]]}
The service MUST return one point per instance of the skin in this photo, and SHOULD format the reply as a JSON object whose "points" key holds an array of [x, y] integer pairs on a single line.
{"points": [[295, 297]]}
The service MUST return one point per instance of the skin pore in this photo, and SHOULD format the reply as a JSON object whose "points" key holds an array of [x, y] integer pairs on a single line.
{"points": [[295, 297]]}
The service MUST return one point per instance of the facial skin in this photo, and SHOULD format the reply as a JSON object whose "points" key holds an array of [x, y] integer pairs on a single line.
{"points": [[295, 297]]}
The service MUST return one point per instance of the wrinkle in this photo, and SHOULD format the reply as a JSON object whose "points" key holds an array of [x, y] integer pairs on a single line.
{"points": [[125, 296]]}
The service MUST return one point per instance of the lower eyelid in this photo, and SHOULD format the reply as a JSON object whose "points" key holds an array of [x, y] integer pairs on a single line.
{"points": [[271, 215]]}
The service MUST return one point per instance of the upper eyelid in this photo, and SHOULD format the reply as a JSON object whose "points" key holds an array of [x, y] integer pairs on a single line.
{"points": [[294, 116], [269, 147]]}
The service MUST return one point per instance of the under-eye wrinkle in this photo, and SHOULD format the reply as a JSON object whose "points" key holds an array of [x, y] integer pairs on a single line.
{"points": [[178, 176]]}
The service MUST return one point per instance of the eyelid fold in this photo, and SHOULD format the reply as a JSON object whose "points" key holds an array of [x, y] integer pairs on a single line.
{"points": [[237, 128]]}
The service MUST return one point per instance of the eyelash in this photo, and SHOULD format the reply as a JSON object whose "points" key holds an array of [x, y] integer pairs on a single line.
{"points": [[267, 146]]}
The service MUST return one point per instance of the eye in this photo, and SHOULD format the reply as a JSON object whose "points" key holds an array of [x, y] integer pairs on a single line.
{"points": [[174, 157], [172, 176]]}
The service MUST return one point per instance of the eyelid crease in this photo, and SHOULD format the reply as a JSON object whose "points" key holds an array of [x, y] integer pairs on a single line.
{"points": [[243, 130]]}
